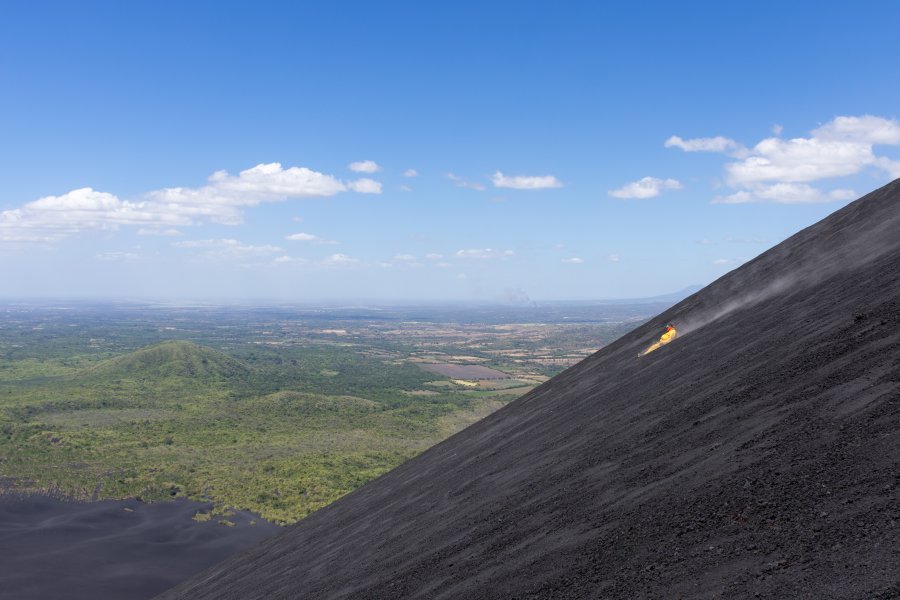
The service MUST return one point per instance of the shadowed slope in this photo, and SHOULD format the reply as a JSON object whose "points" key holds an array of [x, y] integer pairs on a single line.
{"points": [[755, 455]]}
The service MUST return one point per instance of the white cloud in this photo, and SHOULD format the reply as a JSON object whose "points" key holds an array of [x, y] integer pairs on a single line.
{"points": [[484, 253], [463, 183], [291, 260], [221, 200], [405, 188], [892, 167], [648, 187], [365, 186], [364, 166], [721, 261], [525, 182], [405, 257], [443, 265], [434, 256], [340, 259], [866, 129], [227, 249], [308, 237], [53, 217], [117, 256], [572, 261], [334, 260], [710, 144], [799, 160], [410, 173], [777, 129], [302, 237], [613, 258], [785, 193], [782, 170], [159, 232]]}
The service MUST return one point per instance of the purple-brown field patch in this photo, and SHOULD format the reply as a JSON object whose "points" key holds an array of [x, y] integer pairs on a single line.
{"points": [[464, 371]]}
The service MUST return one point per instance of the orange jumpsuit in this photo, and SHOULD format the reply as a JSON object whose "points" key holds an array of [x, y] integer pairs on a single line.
{"points": [[667, 337]]}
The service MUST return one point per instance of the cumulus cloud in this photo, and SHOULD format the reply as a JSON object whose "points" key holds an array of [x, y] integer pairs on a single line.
{"points": [[783, 170], [574, 260], [340, 259], [786, 193], [158, 212], [613, 258], [799, 160], [410, 173], [463, 183], [434, 256], [223, 197], [285, 259], [405, 257], [648, 187], [484, 253], [721, 261], [708, 144], [866, 129], [308, 237], [365, 186], [891, 167], [53, 217], [364, 166], [525, 182]]}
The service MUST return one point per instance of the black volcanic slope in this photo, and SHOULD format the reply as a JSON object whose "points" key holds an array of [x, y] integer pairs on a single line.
{"points": [[758, 455], [116, 549]]}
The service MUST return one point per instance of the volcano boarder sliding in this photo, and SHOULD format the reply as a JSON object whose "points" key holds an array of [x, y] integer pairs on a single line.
{"points": [[667, 337]]}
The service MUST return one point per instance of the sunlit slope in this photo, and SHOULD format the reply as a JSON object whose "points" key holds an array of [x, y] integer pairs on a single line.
{"points": [[173, 359], [755, 456]]}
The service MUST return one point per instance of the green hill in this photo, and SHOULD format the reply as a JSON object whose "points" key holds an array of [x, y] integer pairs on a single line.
{"points": [[172, 360]]}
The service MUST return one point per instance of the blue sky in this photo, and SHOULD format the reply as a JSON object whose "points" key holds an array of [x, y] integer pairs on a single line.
{"points": [[422, 151]]}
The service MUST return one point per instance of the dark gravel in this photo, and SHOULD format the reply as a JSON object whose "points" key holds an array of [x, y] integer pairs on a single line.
{"points": [[757, 456], [116, 549]]}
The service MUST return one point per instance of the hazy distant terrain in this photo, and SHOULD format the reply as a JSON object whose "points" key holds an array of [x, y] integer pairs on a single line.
{"points": [[275, 410]]}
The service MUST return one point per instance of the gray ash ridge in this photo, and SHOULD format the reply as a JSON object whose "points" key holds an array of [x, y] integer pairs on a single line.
{"points": [[757, 456]]}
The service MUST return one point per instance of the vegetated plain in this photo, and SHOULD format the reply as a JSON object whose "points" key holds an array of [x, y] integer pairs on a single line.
{"points": [[276, 410]]}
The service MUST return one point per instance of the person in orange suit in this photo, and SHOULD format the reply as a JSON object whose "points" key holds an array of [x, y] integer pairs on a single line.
{"points": [[667, 337]]}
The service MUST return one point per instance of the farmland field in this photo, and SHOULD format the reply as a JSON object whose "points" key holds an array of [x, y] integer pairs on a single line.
{"points": [[464, 371]]}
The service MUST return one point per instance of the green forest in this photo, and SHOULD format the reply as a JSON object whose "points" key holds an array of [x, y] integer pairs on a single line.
{"points": [[259, 410]]}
